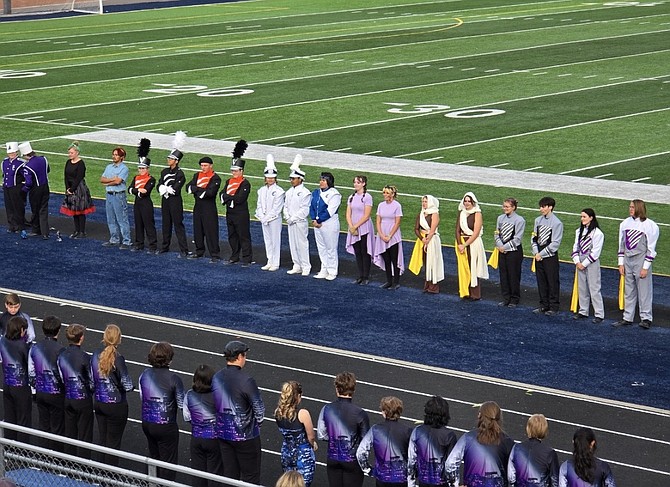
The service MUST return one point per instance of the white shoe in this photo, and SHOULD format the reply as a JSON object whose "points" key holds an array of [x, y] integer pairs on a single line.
{"points": [[331, 277], [321, 275], [295, 270], [266, 267], [305, 272], [273, 268]]}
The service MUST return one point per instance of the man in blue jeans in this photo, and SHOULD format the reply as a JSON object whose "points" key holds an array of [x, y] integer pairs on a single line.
{"points": [[114, 179]]}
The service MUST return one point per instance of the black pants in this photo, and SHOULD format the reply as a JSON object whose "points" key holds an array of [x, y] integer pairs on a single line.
{"points": [[111, 419], [239, 236], [143, 211], [344, 474], [51, 417], [15, 204], [363, 259], [39, 205], [548, 283], [18, 404], [206, 226], [391, 263], [79, 424], [242, 459], [79, 223], [172, 213], [206, 457], [509, 266], [163, 441]]}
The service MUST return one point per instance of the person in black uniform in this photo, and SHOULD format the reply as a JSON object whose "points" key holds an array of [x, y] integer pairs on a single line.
{"points": [[12, 182], [234, 197], [204, 186], [36, 174], [172, 207], [533, 462], [16, 397], [143, 210]]}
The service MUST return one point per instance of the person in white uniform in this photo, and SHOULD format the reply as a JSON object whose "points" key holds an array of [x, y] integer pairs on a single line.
{"points": [[268, 211], [296, 211], [323, 209]]}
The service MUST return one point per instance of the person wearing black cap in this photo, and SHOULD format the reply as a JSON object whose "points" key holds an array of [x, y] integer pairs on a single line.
{"points": [[235, 196], [239, 415], [323, 212], [172, 206], [143, 210], [204, 186]]}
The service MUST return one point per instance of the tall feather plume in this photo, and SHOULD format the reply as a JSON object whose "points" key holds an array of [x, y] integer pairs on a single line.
{"points": [[239, 149], [296, 162], [144, 148], [179, 140]]}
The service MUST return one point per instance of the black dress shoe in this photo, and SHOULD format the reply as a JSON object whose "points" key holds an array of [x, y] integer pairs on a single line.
{"points": [[512, 305], [214, 260], [74, 235], [540, 311], [161, 251], [135, 248], [124, 247], [597, 320], [357, 281], [184, 255], [386, 285], [395, 287], [579, 316], [110, 244], [364, 282], [194, 256], [231, 262], [81, 235], [503, 304], [45, 237], [621, 323], [550, 312], [646, 324]]}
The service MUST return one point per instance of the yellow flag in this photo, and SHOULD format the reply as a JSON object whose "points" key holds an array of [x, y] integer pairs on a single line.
{"points": [[463, 272], [574, 302], [416, 262], [622, 281], [493, 260], [532, 266]]}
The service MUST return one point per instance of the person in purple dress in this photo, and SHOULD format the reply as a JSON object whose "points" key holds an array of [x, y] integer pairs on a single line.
{"points": [[360, 237], [388, 247]]}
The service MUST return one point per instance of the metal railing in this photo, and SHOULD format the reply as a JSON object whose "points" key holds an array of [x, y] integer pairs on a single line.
{"points": [[29, 465]]}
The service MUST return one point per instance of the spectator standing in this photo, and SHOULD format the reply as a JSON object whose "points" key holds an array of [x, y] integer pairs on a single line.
{"points": [[16, 396], [584, 469], [47, 382], [361, 234], [483, 452], [111, 382], [74, 365], [343, 425], [172, 206], [637, 249], [295, 425], [546, 239], [430, 445], [323, 212], [508, 236], [586, 251], [388, 245], [388, 442], [269, 207], [235, 198], [143, 210], [199, 410], [533, 462], [296, 210], [162, 394], [114, 179], [204, 187], [239, 414], [13, 180], [77, 202], [36, 185]]}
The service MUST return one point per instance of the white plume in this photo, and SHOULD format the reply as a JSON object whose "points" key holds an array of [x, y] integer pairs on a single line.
{"points": [[179, 140]]}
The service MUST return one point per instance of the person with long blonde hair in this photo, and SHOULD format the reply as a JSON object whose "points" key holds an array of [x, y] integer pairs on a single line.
{"points": [[483, 451], [297, 429], [111, 382]]}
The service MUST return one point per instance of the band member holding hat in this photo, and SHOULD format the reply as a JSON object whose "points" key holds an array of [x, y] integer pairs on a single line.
{"points": [[36, 185], [12, 182], [143, 210], [204, 187], [234, 196]]}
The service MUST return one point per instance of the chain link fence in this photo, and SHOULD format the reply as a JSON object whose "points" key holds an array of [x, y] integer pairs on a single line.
{"points": [[29, 465]]}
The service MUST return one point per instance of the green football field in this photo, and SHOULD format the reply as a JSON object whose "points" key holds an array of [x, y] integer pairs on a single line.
{"points": [[529, 87]]}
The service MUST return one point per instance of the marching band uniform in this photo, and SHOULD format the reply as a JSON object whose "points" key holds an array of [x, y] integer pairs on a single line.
{"points": [[323, 211], [234, 197], [50, 391], [429, 448], [483, 464], [533, 463], [12, 183], [172, 206], [296, 210], [143, 208], [204, 186], [587, 249], [509, 235], [17, 397], [547, 236], [35, 173], [389, 442], [268, 211], [199, 410]]}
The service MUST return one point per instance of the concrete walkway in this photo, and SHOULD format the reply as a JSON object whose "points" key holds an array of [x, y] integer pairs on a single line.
{"points": [[622, 190]]}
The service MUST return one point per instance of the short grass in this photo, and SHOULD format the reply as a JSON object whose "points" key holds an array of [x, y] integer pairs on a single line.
{"points": [[569, 87]]}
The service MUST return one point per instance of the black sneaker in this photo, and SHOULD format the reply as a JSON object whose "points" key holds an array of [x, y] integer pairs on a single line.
{"points": [[579, 316], [646, 324]]}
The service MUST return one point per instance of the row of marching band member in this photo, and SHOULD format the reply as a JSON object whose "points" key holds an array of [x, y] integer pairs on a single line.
{"points": [[298, 206]]}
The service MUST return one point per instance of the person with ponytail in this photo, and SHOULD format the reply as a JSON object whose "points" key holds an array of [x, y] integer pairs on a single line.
{"points": [[111, 382], [297, 429], [589, 241], [584, 469], [484, 451]]}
